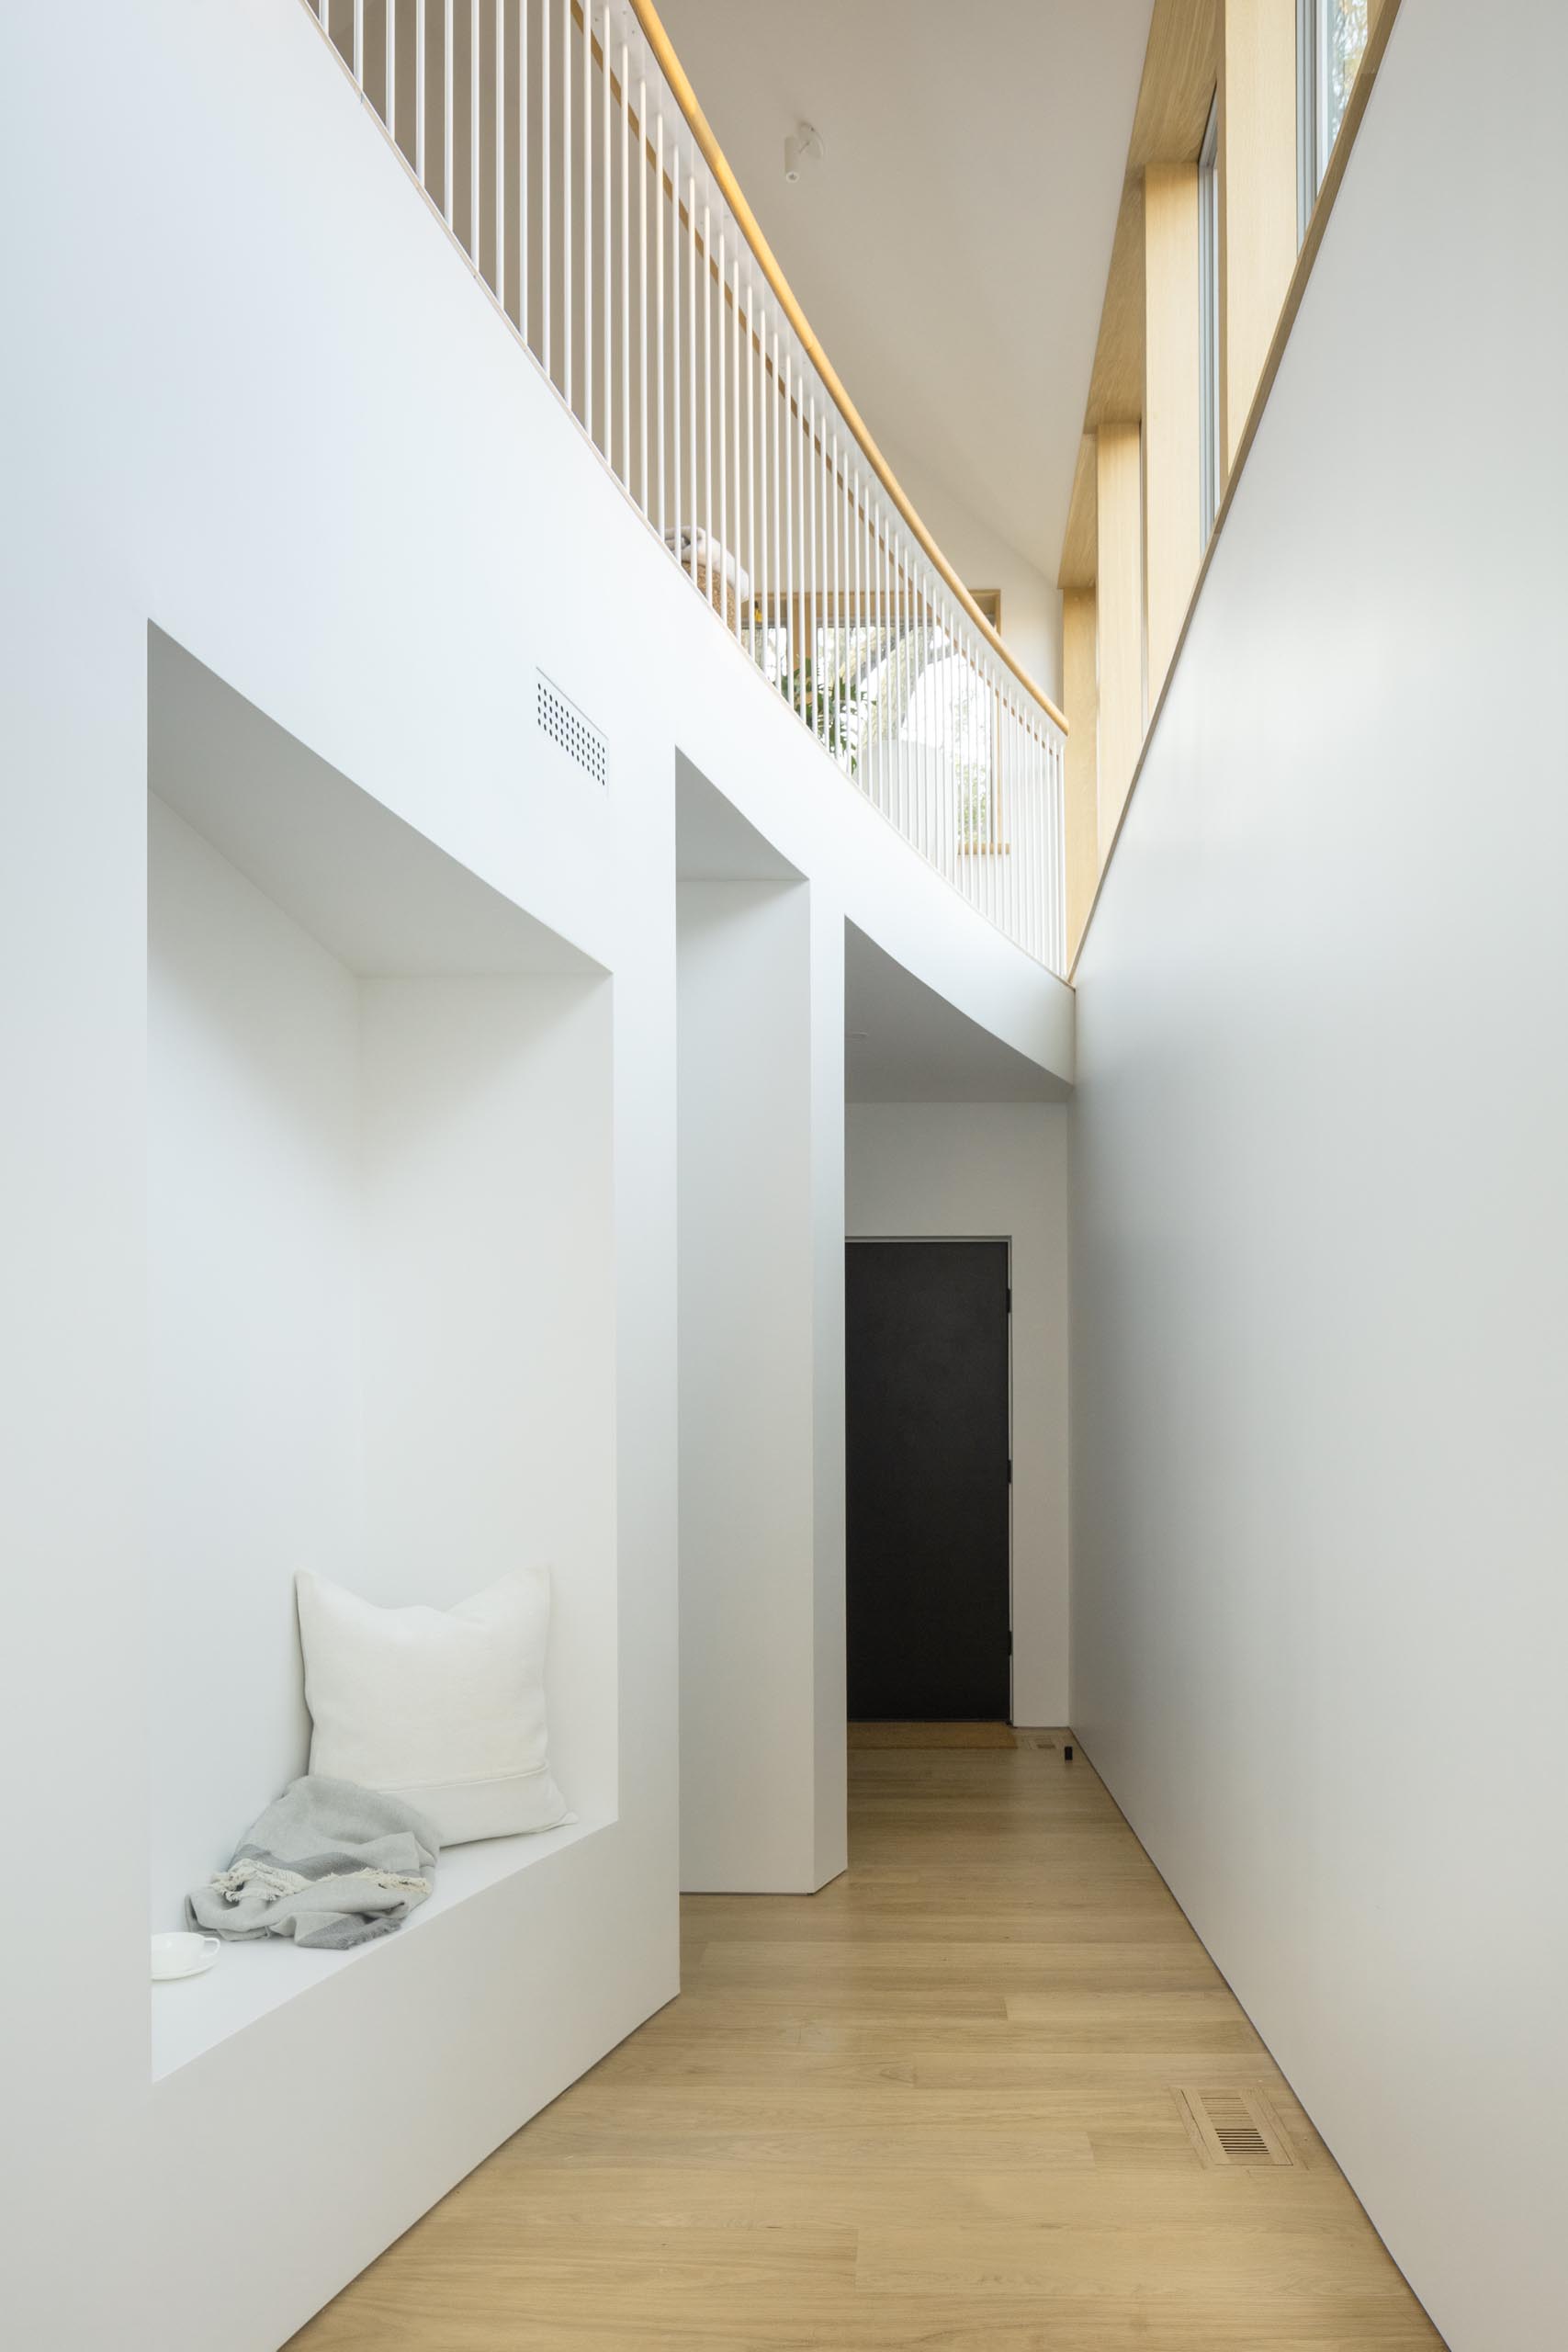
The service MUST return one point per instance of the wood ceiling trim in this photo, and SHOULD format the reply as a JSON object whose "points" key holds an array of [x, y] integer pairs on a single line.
{"points": [[1080, 550], [1179, 72]]}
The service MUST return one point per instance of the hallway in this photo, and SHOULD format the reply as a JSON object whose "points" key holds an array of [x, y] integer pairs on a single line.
{"points": [[935, 2105]]}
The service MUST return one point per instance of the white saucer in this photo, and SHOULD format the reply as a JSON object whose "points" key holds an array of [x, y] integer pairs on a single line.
{"points": [[181, 1953]]}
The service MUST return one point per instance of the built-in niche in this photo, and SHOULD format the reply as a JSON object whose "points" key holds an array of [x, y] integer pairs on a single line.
{"points": [[381, 1295]]}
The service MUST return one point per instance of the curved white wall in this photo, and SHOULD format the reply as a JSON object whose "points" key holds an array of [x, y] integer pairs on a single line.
{"points": [[1320, 1279], [748, 1748]]}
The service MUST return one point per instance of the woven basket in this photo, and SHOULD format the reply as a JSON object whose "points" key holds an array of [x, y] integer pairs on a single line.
{"points": [[704, 591]]}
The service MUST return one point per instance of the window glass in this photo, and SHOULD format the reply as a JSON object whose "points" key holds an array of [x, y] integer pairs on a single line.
{"points": [[1343, 41], [1331, 40], [1208, 324]]}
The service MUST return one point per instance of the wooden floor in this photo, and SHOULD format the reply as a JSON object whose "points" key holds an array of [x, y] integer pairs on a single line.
{"points": [[939, 2105]]}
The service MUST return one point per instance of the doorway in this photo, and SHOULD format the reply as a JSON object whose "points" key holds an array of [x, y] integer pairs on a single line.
{"points": [[929, 1477]]}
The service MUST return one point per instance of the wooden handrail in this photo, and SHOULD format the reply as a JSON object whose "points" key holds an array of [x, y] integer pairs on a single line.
{"points": [[713, 154]]}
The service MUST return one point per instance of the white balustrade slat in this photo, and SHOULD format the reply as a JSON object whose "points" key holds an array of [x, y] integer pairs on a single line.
{"points": [[842, 676], [658, 318], [813, 482], [568, 195], [546, 246], [673, 523], [523, 168], [606, 207], [680, 518], [802, 616], [707, 396], [774, 565], [474, 132], [735, 413], [1021, 832], [923, 753], [500, 79], [901, 692], [830, 584], [587, 223], [901, 689], [626, 276], [720, 394], [925, 743], [806, 616], [419, 89], [833, 583], [824, 483], [858, 536], [879, 594], [944, 732], [1037, 860], [798, 617], [792, 658], [1041, 859], [751, 563], [886, 683], [448, 76], [889, 690]]}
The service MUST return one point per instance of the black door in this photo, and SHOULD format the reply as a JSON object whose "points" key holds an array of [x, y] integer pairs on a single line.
{"points": [[926, 1431]]}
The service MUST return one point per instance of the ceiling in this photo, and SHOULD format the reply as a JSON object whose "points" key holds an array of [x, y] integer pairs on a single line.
{"points": [[950, 248], [376, 894], [903, 1043], [714, 842]]}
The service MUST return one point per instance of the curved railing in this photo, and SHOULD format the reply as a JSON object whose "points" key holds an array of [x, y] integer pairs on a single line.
{"points": [[564, 148]]}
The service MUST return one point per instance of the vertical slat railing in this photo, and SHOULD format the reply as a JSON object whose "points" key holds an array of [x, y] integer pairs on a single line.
{"points": [[713, 415]]}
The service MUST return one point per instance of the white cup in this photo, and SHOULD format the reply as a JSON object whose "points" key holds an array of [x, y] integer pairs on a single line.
{"points": [[182, 1953]]}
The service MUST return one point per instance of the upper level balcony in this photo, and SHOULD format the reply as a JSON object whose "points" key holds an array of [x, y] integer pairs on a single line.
{"points": [[565, 150]]}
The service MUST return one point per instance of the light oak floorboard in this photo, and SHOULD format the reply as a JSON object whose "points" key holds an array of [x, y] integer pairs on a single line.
{"points": [[935, 2106]]}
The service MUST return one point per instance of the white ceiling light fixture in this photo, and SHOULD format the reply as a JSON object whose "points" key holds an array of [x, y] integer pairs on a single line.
{"points": [[803, 146]]}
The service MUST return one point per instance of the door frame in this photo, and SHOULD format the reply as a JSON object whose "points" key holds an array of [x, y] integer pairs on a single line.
{"points": [[893, 1240]]}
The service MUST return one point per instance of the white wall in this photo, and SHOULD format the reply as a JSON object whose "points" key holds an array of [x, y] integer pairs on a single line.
{"points": [[995, 1171], [747, 1437], [253, 1374], [829, 1645], [1321, 1157], [489, 1320], [322, 465], [380, 1298]]}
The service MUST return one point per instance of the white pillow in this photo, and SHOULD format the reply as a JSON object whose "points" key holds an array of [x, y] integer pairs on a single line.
{"points": [[442, 1707]]}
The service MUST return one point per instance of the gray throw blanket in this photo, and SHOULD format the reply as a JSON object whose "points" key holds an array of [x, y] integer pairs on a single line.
{"points": [[330, 1863]]}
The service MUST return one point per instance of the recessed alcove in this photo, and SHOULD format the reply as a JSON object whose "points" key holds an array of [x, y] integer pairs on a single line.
{"points": [[380, 1289]]}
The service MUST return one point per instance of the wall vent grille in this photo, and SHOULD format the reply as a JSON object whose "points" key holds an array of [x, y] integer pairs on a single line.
{"points": [[560, 720], [1234, 2127]]}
